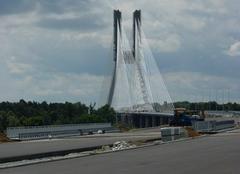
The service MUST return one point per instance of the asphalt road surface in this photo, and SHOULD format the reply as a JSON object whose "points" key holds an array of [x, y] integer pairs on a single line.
{"points": [[43, 146], [218, 154]]}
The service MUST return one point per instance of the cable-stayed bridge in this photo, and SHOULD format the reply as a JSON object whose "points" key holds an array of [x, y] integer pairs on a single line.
{"points": [[137, 92]]}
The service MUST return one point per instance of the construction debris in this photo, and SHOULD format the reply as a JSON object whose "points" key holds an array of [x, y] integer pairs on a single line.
{"points": [[106, 148], [120, 145]]}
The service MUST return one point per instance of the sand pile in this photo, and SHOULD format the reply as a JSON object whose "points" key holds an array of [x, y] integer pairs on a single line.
{"points": [[192, 132], [4, 138]]}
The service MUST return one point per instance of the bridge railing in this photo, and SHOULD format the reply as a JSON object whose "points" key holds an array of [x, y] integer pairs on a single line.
{"points": [[37, 132], [212, 126]]}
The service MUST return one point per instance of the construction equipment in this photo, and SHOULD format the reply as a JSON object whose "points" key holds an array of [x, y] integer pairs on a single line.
{"points": [[182, 117]]}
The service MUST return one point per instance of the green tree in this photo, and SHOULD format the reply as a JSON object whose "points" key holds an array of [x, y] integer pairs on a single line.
{"points": [[12, 120], [3, 121], [107, 113]]}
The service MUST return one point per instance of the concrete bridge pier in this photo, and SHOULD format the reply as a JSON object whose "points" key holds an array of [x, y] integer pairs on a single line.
{"points": [[146, 122], [161, 121], [142, 120], [154, 121], [157, 121], [130, 120]]}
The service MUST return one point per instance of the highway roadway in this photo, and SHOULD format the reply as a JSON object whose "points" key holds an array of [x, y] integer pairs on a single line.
{"points": [[16, 149], [217, 154]]}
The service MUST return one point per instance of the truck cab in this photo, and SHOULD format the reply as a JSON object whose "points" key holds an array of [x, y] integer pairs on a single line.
{"points": [[182, 117]]}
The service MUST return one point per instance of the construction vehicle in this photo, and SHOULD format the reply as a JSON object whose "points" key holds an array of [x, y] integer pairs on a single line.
{"points": [[183, 117]]}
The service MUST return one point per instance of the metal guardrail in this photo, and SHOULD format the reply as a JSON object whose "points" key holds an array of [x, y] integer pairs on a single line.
{"points": [[212, 126], [40, 132], [52, 126], [219, 125]]}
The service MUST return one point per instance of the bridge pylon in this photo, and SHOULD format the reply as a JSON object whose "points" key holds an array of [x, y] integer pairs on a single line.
{"points": [[136, 76]]}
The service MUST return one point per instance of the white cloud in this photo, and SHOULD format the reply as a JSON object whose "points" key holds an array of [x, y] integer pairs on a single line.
{"points": [[79, 86], [169, 44], [53, 87], [234, 49], [42, 58], [103, 39], [17, 68], [72, 87], [196, 86]]}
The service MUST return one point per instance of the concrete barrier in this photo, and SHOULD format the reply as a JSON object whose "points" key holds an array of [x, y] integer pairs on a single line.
{"points": [[173, 133]]}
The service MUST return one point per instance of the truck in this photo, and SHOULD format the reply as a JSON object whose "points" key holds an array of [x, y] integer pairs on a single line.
{"points": [[183, 117]]}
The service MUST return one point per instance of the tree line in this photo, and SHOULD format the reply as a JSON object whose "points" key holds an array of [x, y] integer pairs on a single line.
{"points": [[211, 105], [30, 113]]}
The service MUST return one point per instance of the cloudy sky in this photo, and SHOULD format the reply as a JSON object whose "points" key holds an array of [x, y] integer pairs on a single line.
{"points": [[60, 50]]}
